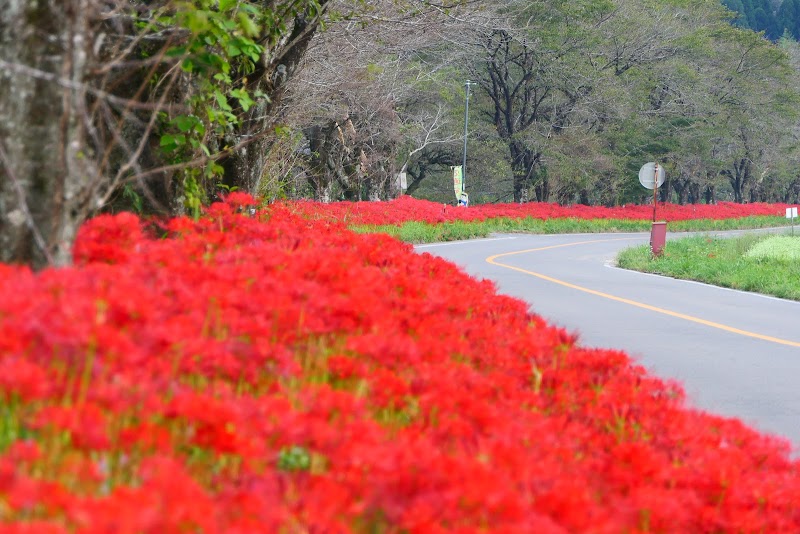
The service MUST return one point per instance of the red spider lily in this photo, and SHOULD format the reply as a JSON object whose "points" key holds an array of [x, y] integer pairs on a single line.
{"points": [[275, 372], [85, 424], [406, 209]]}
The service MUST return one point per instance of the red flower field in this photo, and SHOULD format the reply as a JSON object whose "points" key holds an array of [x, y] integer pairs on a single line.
{"points": [[405, 209], [279, 373]]}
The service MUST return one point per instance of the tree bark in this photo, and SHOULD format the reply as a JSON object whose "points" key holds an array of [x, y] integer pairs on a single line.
{"points": [[245, 168], [42, 193], [524, 162], [739, 177]]}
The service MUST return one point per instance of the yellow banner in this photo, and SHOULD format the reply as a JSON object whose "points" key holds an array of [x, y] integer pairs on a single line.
{"points": [[457, 181]]}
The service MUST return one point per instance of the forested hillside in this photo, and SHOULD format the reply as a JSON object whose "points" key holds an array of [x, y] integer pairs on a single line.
{"points": [[162, 107], [775, 18]]}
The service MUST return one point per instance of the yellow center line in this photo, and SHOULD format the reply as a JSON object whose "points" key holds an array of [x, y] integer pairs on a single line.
{"points": [[493, 260]]}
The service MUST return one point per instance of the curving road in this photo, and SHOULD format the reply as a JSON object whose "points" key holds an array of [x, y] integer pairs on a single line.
{"points": [[736, 353]]}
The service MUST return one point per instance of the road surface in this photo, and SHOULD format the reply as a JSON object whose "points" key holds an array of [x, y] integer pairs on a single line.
{"points": [[736, 353]]}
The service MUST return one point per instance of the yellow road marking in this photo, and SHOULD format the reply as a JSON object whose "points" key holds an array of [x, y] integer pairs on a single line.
{"points": [[493, 260]]}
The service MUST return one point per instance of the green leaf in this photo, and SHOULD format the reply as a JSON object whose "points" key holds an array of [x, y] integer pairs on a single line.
{"points": [[233, 50], [185, 123], [250, 8], [244, 98], [225, 5], [175, 51], [222, 101], [169, 142], [197, 21], [213, 169], [250, 28], [294, 458], [251, 49]]}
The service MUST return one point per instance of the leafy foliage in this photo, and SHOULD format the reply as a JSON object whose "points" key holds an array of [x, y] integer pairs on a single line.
{"points": [[221, 51]]}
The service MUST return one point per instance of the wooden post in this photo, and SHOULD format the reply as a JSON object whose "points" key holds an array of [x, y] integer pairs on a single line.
{"points": [[655, 191]]}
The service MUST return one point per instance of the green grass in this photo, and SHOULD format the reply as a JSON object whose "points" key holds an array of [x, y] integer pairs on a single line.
{"points": [[766, 264], [417, 232], [784, 248]]}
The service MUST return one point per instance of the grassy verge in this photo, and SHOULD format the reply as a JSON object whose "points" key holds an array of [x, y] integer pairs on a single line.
{"points": [[759, 263], [417, 232]]}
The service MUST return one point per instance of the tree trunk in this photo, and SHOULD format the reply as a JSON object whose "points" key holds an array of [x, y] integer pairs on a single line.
{"points": [[679, 188], [42, 111], [739, 178], [711, 195], [523, 166], [694, 193], [416, 179], [245, 168], [682, 185]]}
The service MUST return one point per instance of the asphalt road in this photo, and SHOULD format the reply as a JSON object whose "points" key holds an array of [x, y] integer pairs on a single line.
{"points": [[736, 353]]}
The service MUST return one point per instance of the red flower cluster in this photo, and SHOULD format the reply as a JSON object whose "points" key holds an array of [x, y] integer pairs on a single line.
{"points": [[405, 209], [275, 374]]}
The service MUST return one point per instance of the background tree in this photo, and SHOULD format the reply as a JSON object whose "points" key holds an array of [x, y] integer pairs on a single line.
{"points": [[752, 91], [531, 65], [373, 98]]}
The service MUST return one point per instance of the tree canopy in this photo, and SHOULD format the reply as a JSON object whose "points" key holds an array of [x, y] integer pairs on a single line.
{"points": [[161, 107]]}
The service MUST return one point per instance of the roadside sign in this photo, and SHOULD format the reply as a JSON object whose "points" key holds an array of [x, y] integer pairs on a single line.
{"points": [[648, 173], [651, 176], [791, 213]]}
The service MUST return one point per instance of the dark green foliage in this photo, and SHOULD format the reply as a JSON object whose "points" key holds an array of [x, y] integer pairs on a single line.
{"points": [[761, 16]]}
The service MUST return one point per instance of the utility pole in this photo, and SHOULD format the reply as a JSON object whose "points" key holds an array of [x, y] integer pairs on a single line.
{"points": [[466, 121]]}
